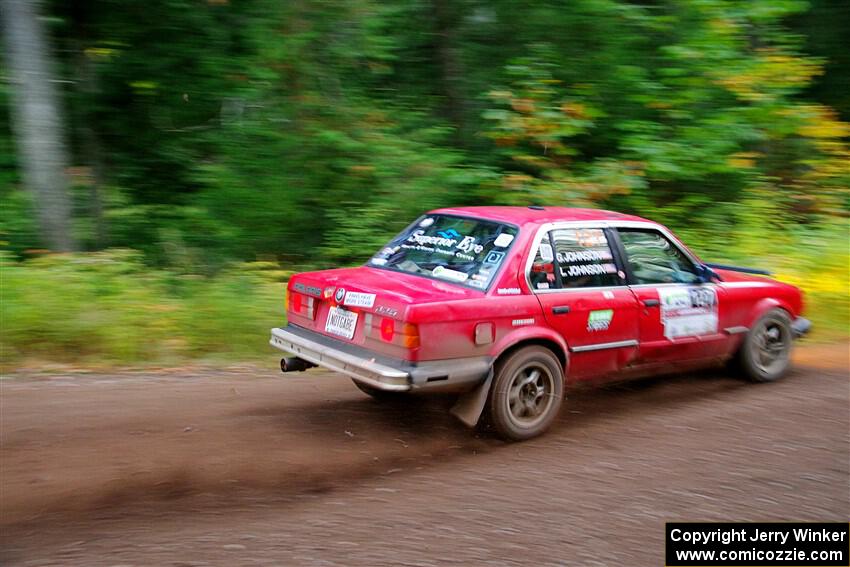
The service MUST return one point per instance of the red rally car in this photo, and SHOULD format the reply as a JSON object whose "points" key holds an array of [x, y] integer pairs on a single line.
{"points": [[509, 305]]}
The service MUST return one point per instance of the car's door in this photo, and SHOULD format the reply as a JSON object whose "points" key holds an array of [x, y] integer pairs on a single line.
{"points": [[584, 297], [679, 315]]}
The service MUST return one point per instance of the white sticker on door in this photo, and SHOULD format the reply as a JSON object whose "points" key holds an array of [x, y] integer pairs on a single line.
{"points": [[688, 311]]}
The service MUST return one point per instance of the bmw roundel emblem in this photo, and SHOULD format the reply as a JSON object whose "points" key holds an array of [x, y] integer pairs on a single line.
{"points": [[339, 295]]}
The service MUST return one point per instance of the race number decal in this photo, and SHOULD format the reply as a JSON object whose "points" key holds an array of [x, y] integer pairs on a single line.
{"points": [[688, 311]]}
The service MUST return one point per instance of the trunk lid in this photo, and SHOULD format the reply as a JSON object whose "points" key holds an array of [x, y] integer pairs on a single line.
{"points": [[372, 294]]}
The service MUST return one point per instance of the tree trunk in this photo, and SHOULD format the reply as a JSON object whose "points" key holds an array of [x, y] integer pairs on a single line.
{"points": [[89, 150], [37, 121], [451, 69]]}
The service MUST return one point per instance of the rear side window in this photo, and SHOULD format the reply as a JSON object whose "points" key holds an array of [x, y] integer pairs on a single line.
{"points": [[655, 260], [543, 268], [584, 258]]}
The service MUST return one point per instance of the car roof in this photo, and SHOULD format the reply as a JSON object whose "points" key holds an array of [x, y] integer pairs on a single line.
{"points": [[538, 215]]}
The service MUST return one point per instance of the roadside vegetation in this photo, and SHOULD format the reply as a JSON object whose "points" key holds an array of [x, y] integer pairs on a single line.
{"points": [[202, 151], [110, 308]]}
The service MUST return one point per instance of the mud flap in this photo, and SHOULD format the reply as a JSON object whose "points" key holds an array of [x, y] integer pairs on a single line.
{"points": [[470, 405]]}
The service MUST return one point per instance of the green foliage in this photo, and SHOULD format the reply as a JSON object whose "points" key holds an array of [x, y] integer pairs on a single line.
{"points": [[108, 308], [534, 124], [205, 134]]}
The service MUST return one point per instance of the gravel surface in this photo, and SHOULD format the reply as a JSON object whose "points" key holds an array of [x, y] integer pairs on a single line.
{"points": [[253, 468]]}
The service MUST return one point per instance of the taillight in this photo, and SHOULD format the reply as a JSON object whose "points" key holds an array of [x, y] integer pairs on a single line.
{"points": [[410, 335], [391, 331], [387, 329], [300, 304]]}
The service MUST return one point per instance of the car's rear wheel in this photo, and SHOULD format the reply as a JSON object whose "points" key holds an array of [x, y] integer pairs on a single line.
{"points": [[765, 354], [381, 395], [527, 393]]}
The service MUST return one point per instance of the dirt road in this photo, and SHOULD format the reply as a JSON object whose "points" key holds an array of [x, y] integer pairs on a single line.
{"points": [[253, 468]]}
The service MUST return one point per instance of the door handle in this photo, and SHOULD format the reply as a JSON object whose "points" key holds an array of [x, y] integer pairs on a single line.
{"points": [[561, 309], [651, 302]]}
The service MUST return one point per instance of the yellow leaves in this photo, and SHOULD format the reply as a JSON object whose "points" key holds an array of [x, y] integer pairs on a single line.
{"points": [[99, 52], [500, 95], [743, 160], [574, 109], [534, 161], [516, 181], [144, 87], [823, 123], [524, 105], [635, 168], [505, 141], [724, 26], [770, 70]]}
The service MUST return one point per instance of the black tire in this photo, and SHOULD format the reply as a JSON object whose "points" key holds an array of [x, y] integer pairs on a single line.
{"points": [[526, 395], [765, 353], [381, 395]]}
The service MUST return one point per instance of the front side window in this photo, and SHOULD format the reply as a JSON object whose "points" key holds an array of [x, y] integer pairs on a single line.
{"points": [[653, 259], [461, 250]]}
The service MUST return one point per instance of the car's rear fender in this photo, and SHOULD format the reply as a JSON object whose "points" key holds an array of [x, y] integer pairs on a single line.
{"points": [[470, 405], [532, 335]]}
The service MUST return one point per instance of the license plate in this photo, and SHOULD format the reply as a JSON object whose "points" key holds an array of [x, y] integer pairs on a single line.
{"points": [[341, 322]]}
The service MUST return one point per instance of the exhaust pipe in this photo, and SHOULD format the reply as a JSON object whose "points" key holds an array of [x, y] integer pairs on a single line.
{"points": [[295, 364]]}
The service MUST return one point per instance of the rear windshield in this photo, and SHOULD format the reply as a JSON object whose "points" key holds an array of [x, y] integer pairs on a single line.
{"points": [[460, 250]]}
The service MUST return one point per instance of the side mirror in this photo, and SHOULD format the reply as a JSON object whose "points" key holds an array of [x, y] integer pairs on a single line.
{"points": [[705, 274]]}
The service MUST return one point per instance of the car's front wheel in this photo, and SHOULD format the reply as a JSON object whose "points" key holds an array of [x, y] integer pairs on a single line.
{"points": [[526, 394], [765, 354]]}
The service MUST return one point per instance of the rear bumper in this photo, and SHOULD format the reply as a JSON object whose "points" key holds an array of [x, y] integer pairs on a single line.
{"points": [[379, 371], [800, 327]]}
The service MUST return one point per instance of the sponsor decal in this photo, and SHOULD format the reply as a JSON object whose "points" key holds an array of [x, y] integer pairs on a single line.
{"points": [[503, 240], [584, 256], [385, 253], [508, 291], [543, 285], [308, 289], [599, 320], [379, 261], [426, 222], [546, 253], [588, 270], [477, 283], [328, 293], [590, 237], [450, 239], [522, 322], [494, 257], [356, 299], [339, 294], [448, 274], [688, 311], [450, 233]]}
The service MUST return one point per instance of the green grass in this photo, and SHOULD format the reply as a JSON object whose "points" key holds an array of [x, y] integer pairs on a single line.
{"points": [[109, 308]]}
